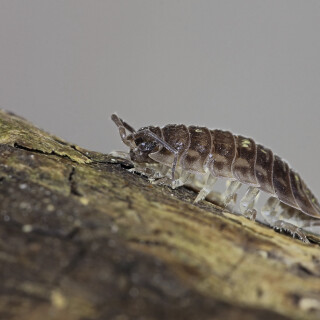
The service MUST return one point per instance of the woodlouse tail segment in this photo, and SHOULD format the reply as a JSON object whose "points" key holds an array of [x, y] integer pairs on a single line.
{"points": [[291, 228], [274, 212]]}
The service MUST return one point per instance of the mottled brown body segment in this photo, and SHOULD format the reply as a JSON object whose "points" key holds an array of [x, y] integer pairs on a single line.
{"points": [[264, 169], [156, 130], [176, 136], [244, 163], [222, 153], [281, 182], [199, 149]]}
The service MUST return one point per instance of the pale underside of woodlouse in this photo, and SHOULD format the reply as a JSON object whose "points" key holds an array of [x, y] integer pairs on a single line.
{"points": [[179, 155]]}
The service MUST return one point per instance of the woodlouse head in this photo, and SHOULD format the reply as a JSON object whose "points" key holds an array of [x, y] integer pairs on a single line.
{"points": [[141, 144], [144, 146]]}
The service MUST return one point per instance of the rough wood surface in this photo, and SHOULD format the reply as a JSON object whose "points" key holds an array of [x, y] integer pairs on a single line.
{"points": [[83, 238]]}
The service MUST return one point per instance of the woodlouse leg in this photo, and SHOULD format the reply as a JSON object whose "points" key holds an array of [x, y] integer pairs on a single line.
{"points": [[248, 201], [181, 181], [159, 174], [142, 169], [294, 230], [270, 211], [160, 181], [207, 188], [230, 194], [120, 154], [175, 183], [163, 171]]}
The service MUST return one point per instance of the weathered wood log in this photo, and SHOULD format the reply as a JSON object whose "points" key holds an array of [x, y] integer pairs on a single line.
{"points": [[83, 238]]}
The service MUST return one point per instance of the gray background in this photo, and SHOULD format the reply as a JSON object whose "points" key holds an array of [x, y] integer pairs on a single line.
{"points": [[252, 67]]}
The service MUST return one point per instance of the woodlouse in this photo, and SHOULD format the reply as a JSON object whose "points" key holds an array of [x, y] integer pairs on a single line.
{"points": [[192, 152]]}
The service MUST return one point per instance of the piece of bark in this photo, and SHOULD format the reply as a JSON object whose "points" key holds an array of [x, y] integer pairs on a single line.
{"points": [[83, 238]]}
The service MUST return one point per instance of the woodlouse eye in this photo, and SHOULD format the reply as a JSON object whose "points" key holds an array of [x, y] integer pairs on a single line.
{"points": [[147, 146], [138, 141]]}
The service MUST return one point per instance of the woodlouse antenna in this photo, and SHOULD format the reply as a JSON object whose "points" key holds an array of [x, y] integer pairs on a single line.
{"points": [[122, 125], [127, 126], [120, 122]]}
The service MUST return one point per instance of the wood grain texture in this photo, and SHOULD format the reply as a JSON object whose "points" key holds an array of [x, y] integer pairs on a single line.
{"points": [[83, 238]]}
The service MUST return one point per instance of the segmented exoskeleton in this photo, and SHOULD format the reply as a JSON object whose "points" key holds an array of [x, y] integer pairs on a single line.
{"points": [[213, 154]]}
